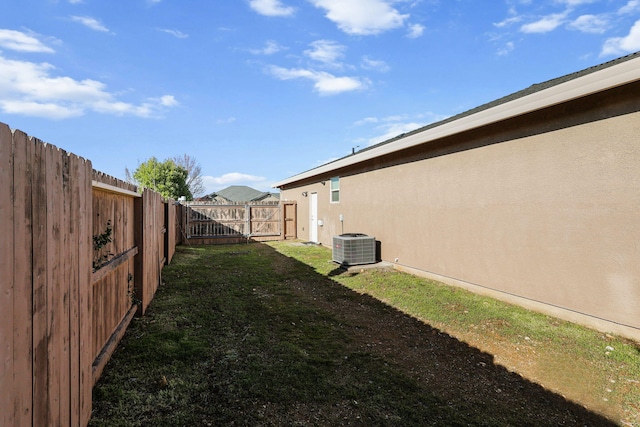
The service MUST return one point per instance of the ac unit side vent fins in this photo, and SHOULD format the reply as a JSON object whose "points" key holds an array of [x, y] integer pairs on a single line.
{"points": [[354, 249]]}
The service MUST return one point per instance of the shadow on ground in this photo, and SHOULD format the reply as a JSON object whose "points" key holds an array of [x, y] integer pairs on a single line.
{"points": [[243, 335]]}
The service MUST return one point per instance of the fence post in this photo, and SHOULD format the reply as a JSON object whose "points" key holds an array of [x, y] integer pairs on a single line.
{"points": [[247, 226], [148, 227], [138, 238], [170, 225], [167, 237]]}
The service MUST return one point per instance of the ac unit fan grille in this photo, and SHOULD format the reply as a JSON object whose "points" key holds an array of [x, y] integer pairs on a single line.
{"points": [[354, 249]]}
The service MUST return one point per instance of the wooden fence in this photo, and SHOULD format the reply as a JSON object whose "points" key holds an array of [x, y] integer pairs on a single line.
{"points": [[66, 303], [207, 223]]}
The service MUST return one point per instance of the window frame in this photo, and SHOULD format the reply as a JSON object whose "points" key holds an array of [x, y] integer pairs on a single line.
{"points": [[334, 190]]}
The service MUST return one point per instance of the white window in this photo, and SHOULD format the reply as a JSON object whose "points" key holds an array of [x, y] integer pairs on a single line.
{"points": [[335, 190]]}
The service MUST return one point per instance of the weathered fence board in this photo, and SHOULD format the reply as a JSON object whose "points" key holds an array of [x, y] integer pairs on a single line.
{"points": [[75, 277], [22, 276], [60, 319], [85, 246], [74, 214], [40, 290], [56, 294], [8, 392]]}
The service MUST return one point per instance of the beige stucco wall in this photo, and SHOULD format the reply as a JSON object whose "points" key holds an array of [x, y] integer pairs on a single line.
{"points": [[547, 220]]}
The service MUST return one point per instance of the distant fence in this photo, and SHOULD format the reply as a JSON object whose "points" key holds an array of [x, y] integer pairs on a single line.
{"points": [[207, 223], [65, 302]]}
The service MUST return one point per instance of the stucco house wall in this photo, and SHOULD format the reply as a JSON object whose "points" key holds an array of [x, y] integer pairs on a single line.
{"points": [[540, 209]]}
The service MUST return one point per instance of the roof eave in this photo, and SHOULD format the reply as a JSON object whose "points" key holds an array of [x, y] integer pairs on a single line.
{"points": [[608, 78]]}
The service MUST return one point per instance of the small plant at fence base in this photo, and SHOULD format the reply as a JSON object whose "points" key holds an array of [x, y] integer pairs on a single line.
{"points": [[99, 242], [132, 292]]}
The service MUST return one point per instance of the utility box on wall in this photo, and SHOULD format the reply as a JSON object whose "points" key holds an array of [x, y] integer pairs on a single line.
{"points": [[354, 248]]}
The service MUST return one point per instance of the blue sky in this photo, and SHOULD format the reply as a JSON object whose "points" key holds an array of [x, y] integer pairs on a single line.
{"points": [[260, 90]]}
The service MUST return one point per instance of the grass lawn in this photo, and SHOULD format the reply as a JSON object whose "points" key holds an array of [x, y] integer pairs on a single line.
{"points": [[275, 335]]}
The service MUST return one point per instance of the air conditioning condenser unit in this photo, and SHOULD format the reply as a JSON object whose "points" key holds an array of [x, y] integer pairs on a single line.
{"points": [[354, 248]]}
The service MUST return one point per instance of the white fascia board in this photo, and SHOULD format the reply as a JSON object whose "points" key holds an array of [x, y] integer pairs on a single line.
{"points": [[598, 81]]}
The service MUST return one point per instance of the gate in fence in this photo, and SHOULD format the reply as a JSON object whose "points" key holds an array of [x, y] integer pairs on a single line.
{"points": [[228, 223]]}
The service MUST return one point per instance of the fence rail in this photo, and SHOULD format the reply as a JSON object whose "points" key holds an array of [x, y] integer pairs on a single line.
{"points": [[64, 302]]}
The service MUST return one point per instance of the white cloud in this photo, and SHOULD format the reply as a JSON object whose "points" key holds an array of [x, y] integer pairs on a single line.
{"points": [[362, 17], [415, 31], [367, 120], [590, 24], [621, 45], [506, 49], [271, 8], [90, 22], [270, 48], [373, 64], [38, 109], [324, 162], [393, 126], [21, 42], [545, 24], [326, 51], [213, 183], [30, 89], [226, 121], [572, 3], [167, 101], [119, 108], [431, 117], [324, 83], [631, 7], [394, 129], [396, 118], [508, 21], [175, 33]]}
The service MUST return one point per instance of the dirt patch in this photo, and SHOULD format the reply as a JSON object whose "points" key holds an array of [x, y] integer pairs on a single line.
{"points": [[463, 375]]}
